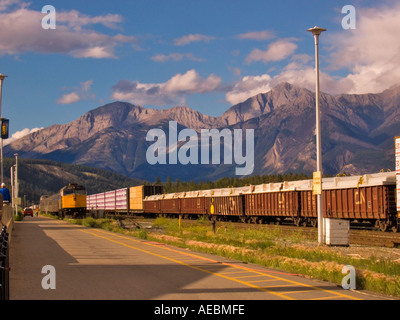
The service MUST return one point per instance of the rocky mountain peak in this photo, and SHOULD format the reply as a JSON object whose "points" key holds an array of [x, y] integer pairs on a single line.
{"points": [[358, 133]]}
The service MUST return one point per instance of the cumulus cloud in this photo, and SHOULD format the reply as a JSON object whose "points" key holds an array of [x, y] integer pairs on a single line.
{"points": [[366, 59], [192, 38], [371, 52], [257, 35], [172, 91], [82, 93], [74, 34], [175, 57], [278, 50], [69, 98], [295, 72], [5, 4], [19, 134], [247, 87]]}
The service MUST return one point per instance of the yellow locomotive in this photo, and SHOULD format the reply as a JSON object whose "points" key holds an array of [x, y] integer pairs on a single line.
{"points": [[69, 201]]}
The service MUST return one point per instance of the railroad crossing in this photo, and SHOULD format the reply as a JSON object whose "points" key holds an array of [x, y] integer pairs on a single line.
{"points": [[55, 260]]}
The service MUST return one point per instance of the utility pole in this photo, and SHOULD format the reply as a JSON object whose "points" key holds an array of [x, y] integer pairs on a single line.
{"points": [[2, 77], [316, 31]]}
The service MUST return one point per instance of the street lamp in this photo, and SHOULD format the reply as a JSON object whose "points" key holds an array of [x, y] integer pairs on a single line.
{"points": [[2, 77], [316, 31]]}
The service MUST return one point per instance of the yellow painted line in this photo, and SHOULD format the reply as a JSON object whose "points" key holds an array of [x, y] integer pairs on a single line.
{"points": [[252, 276], [233, 272], [223, 263], [323, 298], [190, 266], [280, 285], [265, 280], [294, 291]]}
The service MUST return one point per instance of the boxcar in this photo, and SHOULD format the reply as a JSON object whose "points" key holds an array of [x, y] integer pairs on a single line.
{"points": [[194, 203], [124, 200], [139, 193], [170, 204], [273, 202], [151, 205], [308, 208], [227, 204], [368, 198]]}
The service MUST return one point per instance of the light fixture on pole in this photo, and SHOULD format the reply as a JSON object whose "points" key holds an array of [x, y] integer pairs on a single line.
{"points": [[2, 77], [316, 31]]}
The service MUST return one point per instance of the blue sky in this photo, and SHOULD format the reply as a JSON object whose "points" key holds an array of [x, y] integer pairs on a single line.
{"points": [[208, 55]]}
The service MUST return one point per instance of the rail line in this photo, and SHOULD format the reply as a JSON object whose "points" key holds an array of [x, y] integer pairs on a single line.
{"points": [[359, 237]]}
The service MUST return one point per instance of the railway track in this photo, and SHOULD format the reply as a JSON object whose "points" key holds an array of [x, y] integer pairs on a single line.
{"points": [[375, 238], [359, 237]]}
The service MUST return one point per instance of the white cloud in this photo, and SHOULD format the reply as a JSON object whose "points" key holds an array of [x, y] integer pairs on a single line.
{"points": [[191, 82], [19, 134], [295, 73], [173, 91], [175, 57], [82, 93], [192, 38], [278, 50], [5, 4], [257, 35], [69, 98], [368, 59], [76, 20], [74, 34], [371, 52], [249, 86]]}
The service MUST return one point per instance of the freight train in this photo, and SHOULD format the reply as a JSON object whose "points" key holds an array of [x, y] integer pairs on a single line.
{"points": [[368, 198], [69, 201]]}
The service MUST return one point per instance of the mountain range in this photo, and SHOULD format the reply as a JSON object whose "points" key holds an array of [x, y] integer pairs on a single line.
{"points": [[358, 133]]}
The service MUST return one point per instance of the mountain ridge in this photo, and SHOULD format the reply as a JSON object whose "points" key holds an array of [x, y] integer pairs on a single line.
{"points": [[112, 136]]}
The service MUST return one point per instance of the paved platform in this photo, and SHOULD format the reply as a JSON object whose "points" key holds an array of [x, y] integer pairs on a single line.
{"points": [[93, 264]]}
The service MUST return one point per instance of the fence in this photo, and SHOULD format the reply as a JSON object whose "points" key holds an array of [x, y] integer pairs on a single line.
{"points": [[7, 222], [4, 265]]}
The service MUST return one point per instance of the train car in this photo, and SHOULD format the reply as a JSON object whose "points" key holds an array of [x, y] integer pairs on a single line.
{"points": [[272, 202], [367, 198], [308, 207], [151, 205], [139, 193], [50, 204], [121, 201], [227, 203], [195, 203], [170, 204], [69, 201], [191, 204]]}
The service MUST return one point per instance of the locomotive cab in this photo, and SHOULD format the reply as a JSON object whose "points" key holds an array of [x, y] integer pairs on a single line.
{"points": [[73, 199]]}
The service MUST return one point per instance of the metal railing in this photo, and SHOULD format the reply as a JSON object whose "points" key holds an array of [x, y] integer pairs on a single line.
{"points": [[4, 265]]}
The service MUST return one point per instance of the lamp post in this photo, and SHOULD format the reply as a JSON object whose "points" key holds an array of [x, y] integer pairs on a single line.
{"points": [[16, 185], [316, 31], [2, 77]]}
